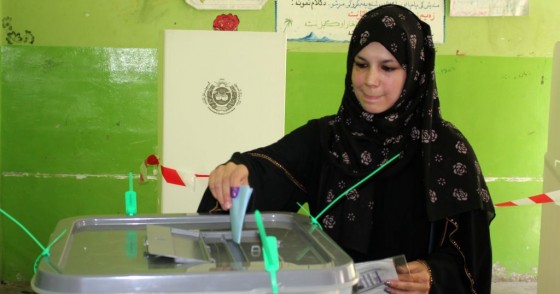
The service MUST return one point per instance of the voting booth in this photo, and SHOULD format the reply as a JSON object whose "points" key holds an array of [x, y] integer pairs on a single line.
{"points": [[223, 92], [549, 260]]}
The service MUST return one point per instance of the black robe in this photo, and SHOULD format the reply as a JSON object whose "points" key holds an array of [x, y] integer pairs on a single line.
{"points": [[294, 170]]}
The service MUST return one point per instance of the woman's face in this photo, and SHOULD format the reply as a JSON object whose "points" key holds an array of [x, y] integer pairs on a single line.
{"points": [[377, 78]]}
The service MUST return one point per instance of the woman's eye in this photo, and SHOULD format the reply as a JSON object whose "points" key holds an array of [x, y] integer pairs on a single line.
{"points": [[388, 68], [360, 64]]}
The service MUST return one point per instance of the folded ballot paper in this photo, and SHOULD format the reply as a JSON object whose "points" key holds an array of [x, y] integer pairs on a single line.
{"points": [[223, 92], [239, 201]]}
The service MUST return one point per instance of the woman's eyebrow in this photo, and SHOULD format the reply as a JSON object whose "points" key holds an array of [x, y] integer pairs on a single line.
{"points": [[360, 58], [389, 60], [383, 61]]}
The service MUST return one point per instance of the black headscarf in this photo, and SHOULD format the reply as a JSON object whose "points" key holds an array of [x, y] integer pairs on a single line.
{"points": [[358, 142]]}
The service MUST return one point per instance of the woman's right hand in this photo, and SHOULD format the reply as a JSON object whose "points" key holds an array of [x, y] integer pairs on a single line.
{"points": [[225, 177]]}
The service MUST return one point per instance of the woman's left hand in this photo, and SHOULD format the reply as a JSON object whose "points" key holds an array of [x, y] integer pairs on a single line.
{"points": [[418, 281]]}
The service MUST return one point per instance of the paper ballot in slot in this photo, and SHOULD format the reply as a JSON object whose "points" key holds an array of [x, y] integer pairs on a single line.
{"points": [[223, 92]]}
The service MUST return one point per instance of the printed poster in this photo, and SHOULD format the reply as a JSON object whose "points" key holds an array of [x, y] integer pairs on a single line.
{"points": [[334, 20]]}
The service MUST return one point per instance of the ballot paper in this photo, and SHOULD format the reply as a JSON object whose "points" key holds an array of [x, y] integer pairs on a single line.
{"points": [[373, 274], [223, 92], [239, 203]]}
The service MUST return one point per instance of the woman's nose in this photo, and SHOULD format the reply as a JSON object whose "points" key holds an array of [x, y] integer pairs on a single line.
{"points": [[372, 77]]}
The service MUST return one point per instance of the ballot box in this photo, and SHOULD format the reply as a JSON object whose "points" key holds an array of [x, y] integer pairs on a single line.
{"points": [[223, 92], [190, 254], [549, 259]]}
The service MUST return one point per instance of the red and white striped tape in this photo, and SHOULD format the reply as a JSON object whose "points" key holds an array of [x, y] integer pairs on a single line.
{"points": [[537, 199], [182, 178], [170, 175]]}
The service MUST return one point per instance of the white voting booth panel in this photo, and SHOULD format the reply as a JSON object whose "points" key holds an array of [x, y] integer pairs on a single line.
{"points": [[549, 260], [223, 92]]}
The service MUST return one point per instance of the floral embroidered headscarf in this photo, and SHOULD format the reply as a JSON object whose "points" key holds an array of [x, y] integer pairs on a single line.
{"points": [[359, 141]]}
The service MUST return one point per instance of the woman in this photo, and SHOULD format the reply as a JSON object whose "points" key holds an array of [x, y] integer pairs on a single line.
{"points": [[430, 204]]}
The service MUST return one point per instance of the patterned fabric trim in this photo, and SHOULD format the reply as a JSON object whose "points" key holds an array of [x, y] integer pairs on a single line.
{"points": [[278, 165], [216, 208], [456, 244], [429, 271]]}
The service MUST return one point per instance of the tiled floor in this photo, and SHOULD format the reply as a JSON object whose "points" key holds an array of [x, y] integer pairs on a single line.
{"points": [[497, 288]]}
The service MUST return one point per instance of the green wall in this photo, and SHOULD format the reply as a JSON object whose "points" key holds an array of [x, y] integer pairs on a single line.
{"points": [[79, 109]]}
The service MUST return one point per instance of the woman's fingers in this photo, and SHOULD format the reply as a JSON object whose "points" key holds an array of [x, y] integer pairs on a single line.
{"points": [[225, 177], [416, 281]]}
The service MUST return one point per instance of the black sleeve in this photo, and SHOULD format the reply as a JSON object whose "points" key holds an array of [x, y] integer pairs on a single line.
{"points": [[462, 259], [280, 174]]}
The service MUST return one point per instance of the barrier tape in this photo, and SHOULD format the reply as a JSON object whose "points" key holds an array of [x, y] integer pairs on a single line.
{"points": [[186, 179], [537, 199], [170, 175]]}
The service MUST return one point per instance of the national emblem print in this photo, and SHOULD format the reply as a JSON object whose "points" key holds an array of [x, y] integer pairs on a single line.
{"points": [[221, 97]]}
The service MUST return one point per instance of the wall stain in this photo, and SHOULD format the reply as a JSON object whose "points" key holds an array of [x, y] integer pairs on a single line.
{"points": [[14, 37], [125, 176], [501, 274], [76, 176], [512, 179], [447, 70], [521, 75]]}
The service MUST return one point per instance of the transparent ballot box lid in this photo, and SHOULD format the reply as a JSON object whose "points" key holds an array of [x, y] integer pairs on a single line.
{"points": [[190, 254]]}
